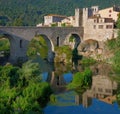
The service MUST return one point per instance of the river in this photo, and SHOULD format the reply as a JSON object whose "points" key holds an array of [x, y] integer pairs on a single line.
{"points": [[99, 98]]}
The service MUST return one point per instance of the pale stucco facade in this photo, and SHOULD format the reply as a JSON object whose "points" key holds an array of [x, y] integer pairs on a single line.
{"points": [[111, 12], [68, 21]]}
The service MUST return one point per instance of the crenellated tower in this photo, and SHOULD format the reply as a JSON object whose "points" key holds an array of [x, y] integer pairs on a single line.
{"points": [[87, 12]]}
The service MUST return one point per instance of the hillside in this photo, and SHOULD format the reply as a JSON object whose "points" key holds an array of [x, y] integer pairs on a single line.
{"points": [[31, 12]]}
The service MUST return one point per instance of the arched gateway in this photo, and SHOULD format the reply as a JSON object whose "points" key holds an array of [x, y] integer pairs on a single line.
{"points": [[20, 37]]}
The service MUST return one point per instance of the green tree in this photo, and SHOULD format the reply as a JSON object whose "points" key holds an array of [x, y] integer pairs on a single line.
{"points": [[5, 45], [114, 46], [18, 22], [81, 80], [21, 89], [38, 46], [116, 58], [118, 21], [30, 70]]}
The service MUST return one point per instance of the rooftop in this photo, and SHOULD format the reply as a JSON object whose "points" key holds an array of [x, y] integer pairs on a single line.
{"points": [[115, 8], [55, 15]]}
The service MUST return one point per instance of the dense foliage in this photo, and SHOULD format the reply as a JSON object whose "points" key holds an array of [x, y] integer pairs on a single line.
{"points": [[87, 61], [114, 46], [21, 89], [38, 46], [81, 80], [31, 12], [63, 53], [4, 46]]}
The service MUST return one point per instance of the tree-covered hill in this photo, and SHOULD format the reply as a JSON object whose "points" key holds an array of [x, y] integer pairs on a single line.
{"points": [[31, 12]]}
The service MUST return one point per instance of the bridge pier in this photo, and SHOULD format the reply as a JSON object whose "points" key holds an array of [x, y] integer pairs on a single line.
{"points": [[18, 50]]}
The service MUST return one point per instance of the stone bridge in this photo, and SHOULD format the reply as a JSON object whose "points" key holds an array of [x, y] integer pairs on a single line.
{"points": [[20, 37]]}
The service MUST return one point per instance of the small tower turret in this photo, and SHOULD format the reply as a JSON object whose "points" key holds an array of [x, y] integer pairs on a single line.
{"points": [[94, 9]]}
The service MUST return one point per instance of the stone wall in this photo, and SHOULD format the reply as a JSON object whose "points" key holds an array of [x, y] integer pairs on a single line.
{"points": [[97, 31]]}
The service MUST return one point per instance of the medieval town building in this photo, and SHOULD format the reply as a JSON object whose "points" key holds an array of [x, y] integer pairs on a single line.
{"points": [[98, 24]]}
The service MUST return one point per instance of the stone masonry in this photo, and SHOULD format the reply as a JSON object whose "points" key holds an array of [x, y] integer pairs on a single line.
{"points": [[20, 37]]}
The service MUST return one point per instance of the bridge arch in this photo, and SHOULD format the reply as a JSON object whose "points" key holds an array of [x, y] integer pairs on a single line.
{"points": [[50, 55], [73, 40], [23, 35], [12, 42], [48, 41]]}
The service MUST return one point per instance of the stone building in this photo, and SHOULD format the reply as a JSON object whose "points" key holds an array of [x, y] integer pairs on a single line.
{"points": [[95, 26], [52, 18], [98, 28], [68, 21], [98, 24]]}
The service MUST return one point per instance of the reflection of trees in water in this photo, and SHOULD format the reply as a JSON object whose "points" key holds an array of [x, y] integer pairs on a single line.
{"points": [[103, 86], [56, 77], [60, 69]]}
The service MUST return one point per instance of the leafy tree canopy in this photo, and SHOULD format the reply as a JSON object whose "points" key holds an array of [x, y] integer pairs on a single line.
{"points": [[21, 89]]}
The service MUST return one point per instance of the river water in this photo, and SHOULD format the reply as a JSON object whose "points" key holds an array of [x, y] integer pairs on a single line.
{"points": [[100, 98]]}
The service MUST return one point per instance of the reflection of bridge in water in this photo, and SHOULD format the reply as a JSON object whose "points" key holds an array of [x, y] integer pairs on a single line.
{"points": [[103, 87], [60, 77]]}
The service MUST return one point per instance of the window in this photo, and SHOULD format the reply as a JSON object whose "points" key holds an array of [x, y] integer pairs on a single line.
{"points": [[94, 20], [110, 11], [108, 91], [94, 26], [109, 26], [110, 15], [95, 9], [97, 20], [100, 26], [58, 41], [20, 43]]}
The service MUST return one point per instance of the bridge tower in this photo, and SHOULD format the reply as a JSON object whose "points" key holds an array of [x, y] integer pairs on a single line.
{"points": [[78, 17]]}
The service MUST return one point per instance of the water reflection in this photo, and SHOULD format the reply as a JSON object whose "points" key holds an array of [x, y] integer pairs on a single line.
{"points": [[103, 89]]}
